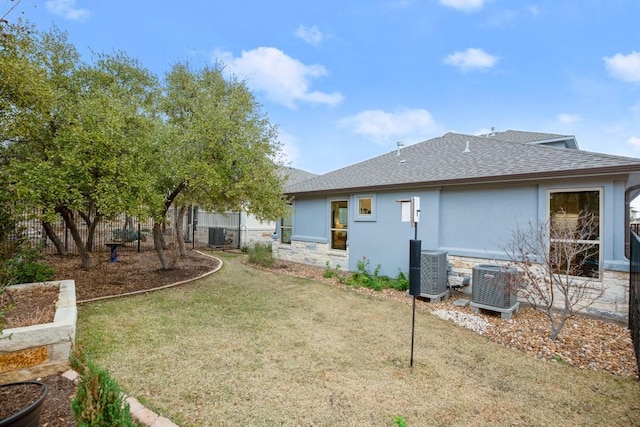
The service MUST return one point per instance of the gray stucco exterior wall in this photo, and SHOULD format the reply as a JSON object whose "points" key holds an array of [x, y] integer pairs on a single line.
{"points": [[470, 222]]}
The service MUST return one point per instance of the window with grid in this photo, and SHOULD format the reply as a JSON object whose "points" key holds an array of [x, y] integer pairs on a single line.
{"points": [[339, 222], [574, 232]]}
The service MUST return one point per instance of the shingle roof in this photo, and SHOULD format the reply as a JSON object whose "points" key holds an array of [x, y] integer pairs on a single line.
{"points": [[527, 137], [295, 176], [443, 161]]}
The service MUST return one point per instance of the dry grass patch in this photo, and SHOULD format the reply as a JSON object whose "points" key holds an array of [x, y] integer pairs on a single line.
{"points": [[247, 347]]}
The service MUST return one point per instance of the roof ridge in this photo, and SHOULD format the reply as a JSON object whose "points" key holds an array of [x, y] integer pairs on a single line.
{"points": [[445, 160]]}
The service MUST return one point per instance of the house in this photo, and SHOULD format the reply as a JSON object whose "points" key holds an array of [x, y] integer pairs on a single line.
{"points": [[474, 192], [239, 229]]}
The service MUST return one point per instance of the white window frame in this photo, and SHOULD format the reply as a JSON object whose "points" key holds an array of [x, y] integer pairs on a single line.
{"points": [[286, 227], [364, 216], [334, 228], [598, 242]]}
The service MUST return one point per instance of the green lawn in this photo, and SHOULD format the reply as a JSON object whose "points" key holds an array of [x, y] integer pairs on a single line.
{"points": [[252, 348]]}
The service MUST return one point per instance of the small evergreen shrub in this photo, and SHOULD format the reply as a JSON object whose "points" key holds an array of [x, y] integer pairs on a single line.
{"points": [[98, 401]]}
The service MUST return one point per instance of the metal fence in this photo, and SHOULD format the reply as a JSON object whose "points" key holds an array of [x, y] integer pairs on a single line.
{"points": [[135, 233], [634, 295], [201, 229]]}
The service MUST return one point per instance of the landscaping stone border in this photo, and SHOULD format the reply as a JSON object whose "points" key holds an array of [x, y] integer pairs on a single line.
{"points": [[56, 337]]}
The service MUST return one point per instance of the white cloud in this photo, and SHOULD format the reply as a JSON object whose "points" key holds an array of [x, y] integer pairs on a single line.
{"points": [[290, 154], [471, 59], [283, 79], [624, 67], [565, 118], [464, 5], [382, 126], [311, 35], [511, 17], [67, 9], [634, 141]]}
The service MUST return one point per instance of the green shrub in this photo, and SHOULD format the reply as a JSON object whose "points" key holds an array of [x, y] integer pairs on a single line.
{"points": [[126, 235], [399, 421], [262, 254], [24, 266], [362, 277], [330, 273], [98, 401], [401, 283]]}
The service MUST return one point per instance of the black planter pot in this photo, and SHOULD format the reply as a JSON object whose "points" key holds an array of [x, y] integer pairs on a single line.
{"points": [[30, 415]]}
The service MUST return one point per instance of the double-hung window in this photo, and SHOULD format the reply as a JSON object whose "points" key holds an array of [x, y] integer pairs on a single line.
{"points": [[574, 232], [339, 222]]}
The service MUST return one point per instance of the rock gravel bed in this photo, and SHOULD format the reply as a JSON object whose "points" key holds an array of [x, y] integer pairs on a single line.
{"points": [[585, 343]]}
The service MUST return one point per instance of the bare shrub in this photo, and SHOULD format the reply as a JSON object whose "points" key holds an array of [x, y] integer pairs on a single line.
{"points": [[558, 261]]}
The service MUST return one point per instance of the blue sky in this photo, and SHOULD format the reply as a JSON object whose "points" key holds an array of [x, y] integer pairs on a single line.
{"points": [[345, 80]]}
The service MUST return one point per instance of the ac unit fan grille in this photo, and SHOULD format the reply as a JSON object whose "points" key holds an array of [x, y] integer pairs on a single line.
{"points": [[493, 286], [433, 272]]}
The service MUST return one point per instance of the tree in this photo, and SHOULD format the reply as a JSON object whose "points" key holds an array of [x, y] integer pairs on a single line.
{"points": [[219, 151], [558, 261], [76, 134], [85, 139]]}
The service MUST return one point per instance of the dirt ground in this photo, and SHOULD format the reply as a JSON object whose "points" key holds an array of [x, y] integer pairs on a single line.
{"points": [[586, 344]]}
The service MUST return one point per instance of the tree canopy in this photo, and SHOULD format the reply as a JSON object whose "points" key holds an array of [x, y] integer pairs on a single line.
{"points": [[105, 137]]}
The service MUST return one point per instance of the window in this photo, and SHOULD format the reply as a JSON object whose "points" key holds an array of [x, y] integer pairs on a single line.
{"points": [[364, 206], [365, 209], [574, 232], [338, 226], [286, 228]]}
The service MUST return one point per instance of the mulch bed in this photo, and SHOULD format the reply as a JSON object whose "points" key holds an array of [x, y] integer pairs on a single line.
{"points": [[29, 306], [133, 272]]}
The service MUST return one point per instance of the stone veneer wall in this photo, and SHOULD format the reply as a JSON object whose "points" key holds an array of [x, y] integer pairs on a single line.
{"points": [[613, 304], [252, 236], [311, 253], [44, 344]]}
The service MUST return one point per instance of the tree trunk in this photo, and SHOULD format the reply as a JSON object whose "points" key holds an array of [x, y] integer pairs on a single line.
{"points": [[67, 215], [163, 242], [158, 242], [158, 237], [92, 232], [180, 231], [57, 242], [91, 227]]}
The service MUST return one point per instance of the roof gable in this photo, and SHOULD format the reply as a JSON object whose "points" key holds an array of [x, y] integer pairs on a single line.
{"points": [[548, 139], [446, 160]]}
